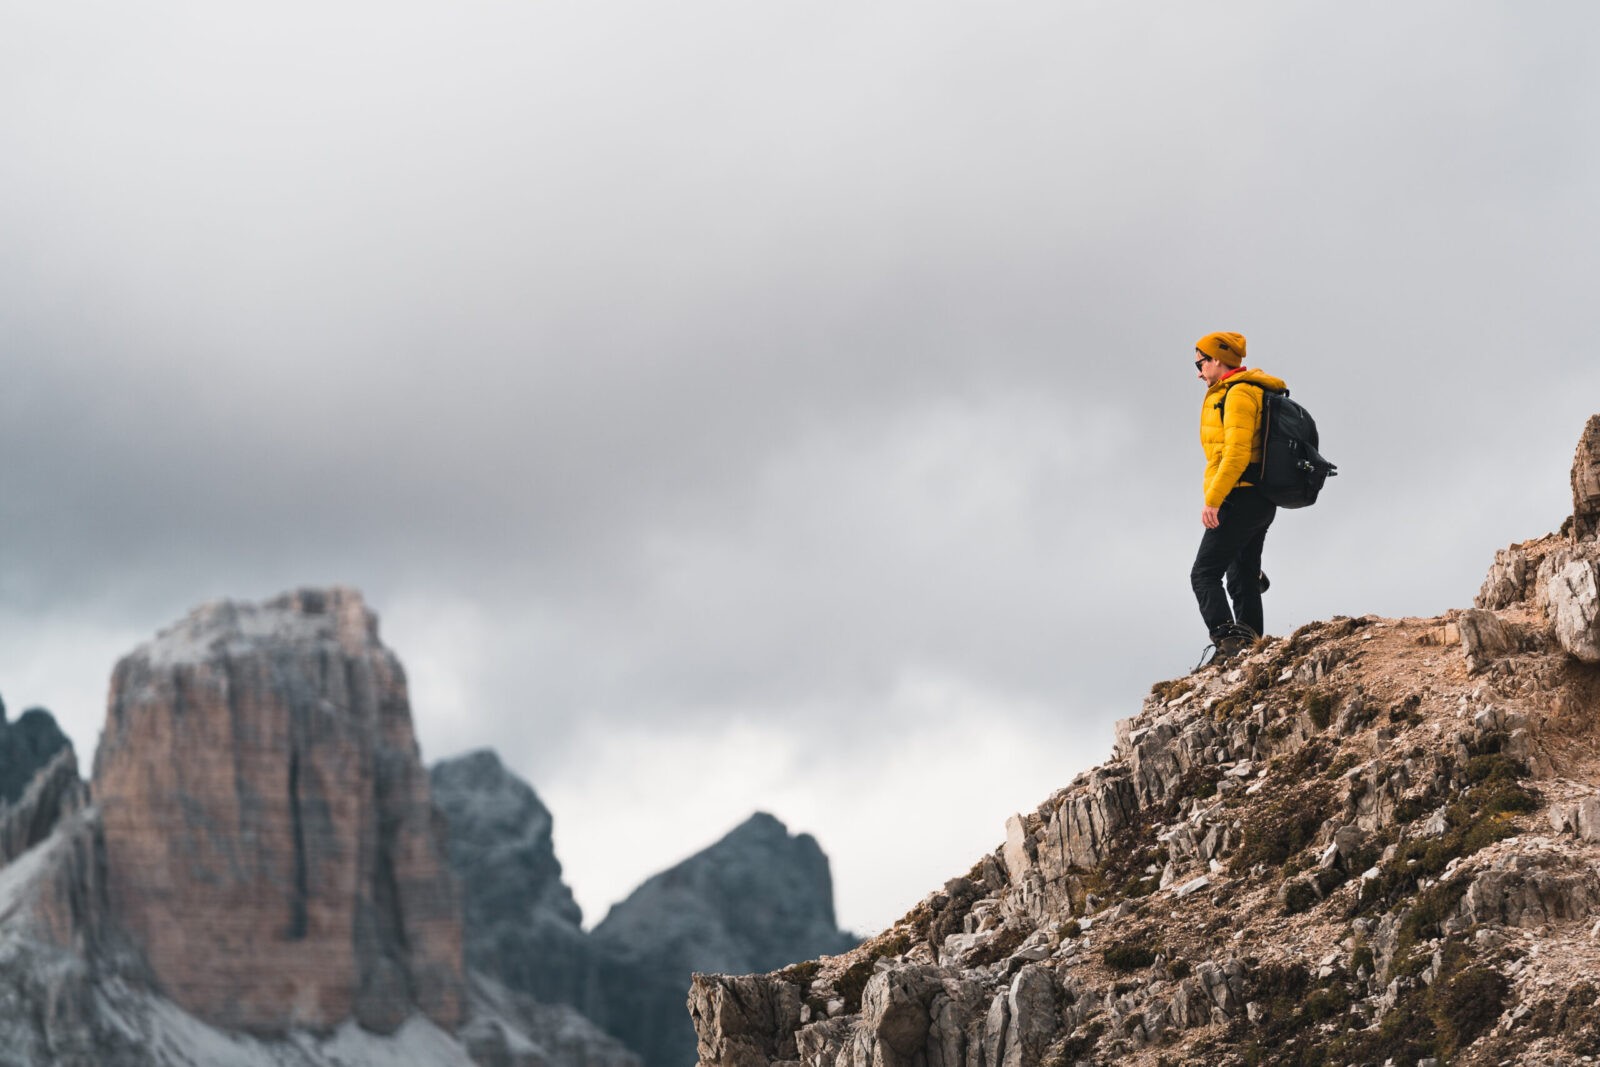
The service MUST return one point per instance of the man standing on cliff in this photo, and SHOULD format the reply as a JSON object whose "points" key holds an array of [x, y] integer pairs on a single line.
{"points": [[1235, 514]]}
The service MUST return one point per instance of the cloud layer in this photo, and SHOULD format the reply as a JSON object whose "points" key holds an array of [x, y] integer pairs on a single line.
{"points": [[779, 406]]}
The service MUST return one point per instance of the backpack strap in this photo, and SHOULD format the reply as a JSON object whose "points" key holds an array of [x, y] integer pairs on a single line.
{"points": [[1265, 392], [1253, 471]]}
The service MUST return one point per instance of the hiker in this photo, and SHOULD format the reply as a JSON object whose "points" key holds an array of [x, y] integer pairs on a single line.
{"points": [[1235, 513]]}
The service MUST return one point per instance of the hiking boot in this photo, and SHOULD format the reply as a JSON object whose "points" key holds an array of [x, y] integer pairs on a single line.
{"points": [[1233, 639], [1226, 642]]}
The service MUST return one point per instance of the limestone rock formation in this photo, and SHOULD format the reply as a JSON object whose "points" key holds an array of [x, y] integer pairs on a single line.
{"points": [[1373, 841], [1556, 579], [1586, 483], [522, 925], [311, 716], [263, 878], [757, 899], [1574, 597], [268, 832]]}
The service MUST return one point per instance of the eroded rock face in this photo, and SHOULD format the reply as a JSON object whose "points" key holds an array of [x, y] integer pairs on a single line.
{"points": [[269, 838], [1484, 638], [522, 926], [1586, 483], [1559, 576], [1574, 595]]}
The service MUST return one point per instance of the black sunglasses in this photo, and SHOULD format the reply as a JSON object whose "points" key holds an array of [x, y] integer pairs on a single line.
{"points": [[1202, 361]]}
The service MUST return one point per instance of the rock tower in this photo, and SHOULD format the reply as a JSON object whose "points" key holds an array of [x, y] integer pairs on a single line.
{"points": [[269, 837]]}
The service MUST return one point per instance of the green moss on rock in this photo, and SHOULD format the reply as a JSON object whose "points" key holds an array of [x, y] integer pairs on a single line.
{"points": [[1275, 831]]}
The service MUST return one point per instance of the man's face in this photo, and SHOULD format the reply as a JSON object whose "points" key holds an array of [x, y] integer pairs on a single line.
{"points": [[1209, 370]]}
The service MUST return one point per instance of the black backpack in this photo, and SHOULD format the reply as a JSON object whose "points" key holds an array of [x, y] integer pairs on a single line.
{"points": [[1291, 471]]}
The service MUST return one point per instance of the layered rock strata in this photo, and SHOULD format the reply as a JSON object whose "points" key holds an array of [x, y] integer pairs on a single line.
{"points": [[1374, 841], [269, 837]]}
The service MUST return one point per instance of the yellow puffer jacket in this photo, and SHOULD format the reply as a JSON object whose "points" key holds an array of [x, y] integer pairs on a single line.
{"points": [[1234, 445]]}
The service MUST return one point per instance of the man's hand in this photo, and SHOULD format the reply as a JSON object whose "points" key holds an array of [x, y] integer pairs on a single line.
{"points": [[1209, 518]]}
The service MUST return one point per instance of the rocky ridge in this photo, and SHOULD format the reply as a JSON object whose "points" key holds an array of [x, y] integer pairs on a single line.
{"points": [[1374, 841]]}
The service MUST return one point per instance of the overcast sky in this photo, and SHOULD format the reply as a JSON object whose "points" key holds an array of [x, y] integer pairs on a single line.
{"points": [[774, 405]]}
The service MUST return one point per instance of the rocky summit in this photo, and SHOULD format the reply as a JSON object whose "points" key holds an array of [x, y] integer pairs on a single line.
{"points": [[1375, 841]]}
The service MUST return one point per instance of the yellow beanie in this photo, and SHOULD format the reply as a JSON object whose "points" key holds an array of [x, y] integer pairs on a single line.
{"points": [[1225, 348]]}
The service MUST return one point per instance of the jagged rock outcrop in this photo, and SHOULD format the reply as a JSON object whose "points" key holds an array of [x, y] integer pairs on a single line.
{"points": [[1586, 483], [1373, 841], [1556, 579], [522, 925], [757, 899], [1574, 596], [268, 831]]}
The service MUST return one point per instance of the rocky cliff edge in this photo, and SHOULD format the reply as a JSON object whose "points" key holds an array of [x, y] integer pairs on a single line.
{"points": [[1373, 841]]}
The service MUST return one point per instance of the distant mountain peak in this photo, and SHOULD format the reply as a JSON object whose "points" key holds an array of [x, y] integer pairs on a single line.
{"points": [[260, 877], [26, 746], [259, 784]]}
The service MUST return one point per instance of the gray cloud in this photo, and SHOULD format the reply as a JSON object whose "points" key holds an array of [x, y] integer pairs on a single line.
{"points": [[795, 385]]}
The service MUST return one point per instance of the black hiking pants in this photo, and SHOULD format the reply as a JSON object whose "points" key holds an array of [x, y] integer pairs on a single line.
{"points": [[1233, 551]]}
